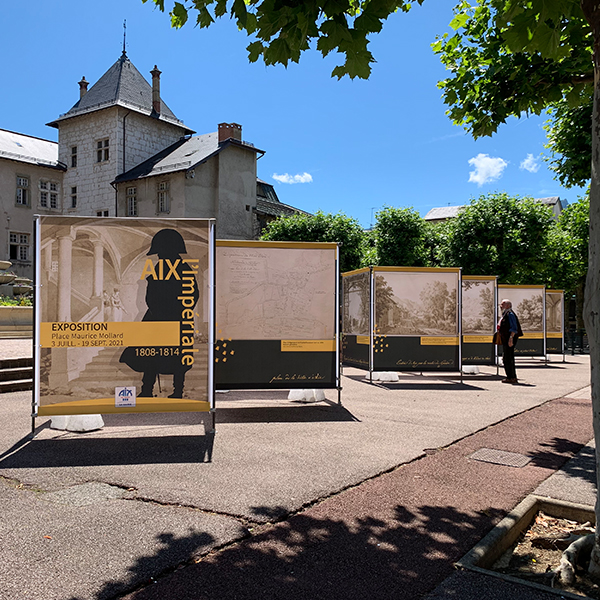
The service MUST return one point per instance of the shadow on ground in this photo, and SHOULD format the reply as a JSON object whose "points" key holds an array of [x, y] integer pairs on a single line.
{"points": [[554, 458], [402, 557], [88, 452]]}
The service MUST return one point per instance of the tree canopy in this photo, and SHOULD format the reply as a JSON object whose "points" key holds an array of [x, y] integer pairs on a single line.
{"points": [[513, 57], [500, 235], [399, 237], [570, 142], [322, 227], [283, 29]]}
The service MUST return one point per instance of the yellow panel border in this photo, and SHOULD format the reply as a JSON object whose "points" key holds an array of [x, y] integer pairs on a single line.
{"points": [[363, 339], [265, 244], [418, 269], [480, 277], [107, 406], [522, 287], [555, 291], [554, 335], [356, 271]]}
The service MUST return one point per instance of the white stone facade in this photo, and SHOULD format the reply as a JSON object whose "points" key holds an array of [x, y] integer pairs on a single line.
{"points": [[132, 138]]}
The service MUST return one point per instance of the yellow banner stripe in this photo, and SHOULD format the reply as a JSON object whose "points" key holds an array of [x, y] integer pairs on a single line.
{"points": [[532, 336], [363, 339], [478, 339], [439, 341], [554, 335], [107, 405], [90, 335], [308, 345]]}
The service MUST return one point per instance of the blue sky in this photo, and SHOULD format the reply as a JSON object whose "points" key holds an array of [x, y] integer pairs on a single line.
{"points": [[350, 146]]}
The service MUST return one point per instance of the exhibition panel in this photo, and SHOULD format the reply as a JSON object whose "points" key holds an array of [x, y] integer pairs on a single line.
{"points": [[529, 304], [479, 318], [121, 303], [555, 322], [277, 324], [402, 319], [417, 319], [356, 318]]}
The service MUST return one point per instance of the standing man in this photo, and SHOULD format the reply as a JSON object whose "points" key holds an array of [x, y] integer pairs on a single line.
{"points": [[510, 331]]}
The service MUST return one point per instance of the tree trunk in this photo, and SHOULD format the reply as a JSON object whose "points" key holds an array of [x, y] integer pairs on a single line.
{"points": [[591, 10]]}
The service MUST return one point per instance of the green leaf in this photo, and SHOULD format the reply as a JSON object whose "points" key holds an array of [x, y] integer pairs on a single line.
{"points": [[546, 40], [255, 49], [517, 37], [204, 18], [459, 21], [179, 15]]}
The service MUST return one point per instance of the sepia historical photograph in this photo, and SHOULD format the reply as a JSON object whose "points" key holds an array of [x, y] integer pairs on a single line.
{"points": [[528, 304], [356, 307], [478, 300], [416, 303], [554, 312]]}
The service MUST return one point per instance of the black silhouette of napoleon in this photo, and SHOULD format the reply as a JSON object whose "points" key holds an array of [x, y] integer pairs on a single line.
{"points": [[163, 305]]}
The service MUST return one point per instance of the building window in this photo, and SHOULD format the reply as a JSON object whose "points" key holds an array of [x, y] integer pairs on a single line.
{"points": [[53, 195], [102, 150], [74, 196], [23, 191], [48, 194], [102, 213], [73, 156], [19, 246], [163, 197], [44, 186], [132, 208]]}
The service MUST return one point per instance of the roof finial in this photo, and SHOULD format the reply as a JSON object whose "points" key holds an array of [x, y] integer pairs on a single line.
{"points": [[124, 36]]}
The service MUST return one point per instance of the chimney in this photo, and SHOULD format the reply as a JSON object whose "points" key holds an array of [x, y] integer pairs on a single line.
{"points": [[155, 90], [83, 87], [229, 130]]}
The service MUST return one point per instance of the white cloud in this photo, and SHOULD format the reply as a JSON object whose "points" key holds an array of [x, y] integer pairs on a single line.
{"points": [[487, 168], [530, 164], [287, 178]]}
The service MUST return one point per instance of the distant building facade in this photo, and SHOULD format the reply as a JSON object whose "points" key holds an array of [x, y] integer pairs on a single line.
{"points": [[122, 152], [443, 213]]}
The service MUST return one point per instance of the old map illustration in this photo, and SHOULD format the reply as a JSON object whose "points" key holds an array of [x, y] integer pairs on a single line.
{"points": [[275, 293]]}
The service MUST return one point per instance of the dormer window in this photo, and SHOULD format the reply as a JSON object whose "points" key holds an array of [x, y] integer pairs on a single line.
{"points": [[102, 154]]}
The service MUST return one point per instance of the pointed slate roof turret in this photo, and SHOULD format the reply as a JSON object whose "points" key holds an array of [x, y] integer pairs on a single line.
{"points": [[122, 85]]}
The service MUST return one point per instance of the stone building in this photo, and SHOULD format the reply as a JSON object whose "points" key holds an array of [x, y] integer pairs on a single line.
{"points": [[122, 152]]}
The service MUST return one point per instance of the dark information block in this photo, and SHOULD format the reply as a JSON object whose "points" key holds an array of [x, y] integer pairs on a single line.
{"points": [[261, 364], [409, 354]]}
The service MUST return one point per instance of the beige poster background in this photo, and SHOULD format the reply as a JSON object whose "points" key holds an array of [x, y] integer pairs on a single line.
{"points": [[93, 275], [274, 291]]}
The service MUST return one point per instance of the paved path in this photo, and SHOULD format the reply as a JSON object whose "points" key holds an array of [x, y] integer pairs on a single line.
{"points": [[98, 515]]}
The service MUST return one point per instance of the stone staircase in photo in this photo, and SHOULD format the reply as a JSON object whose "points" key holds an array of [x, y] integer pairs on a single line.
{"points": [[104, 370], [16, 374]]}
